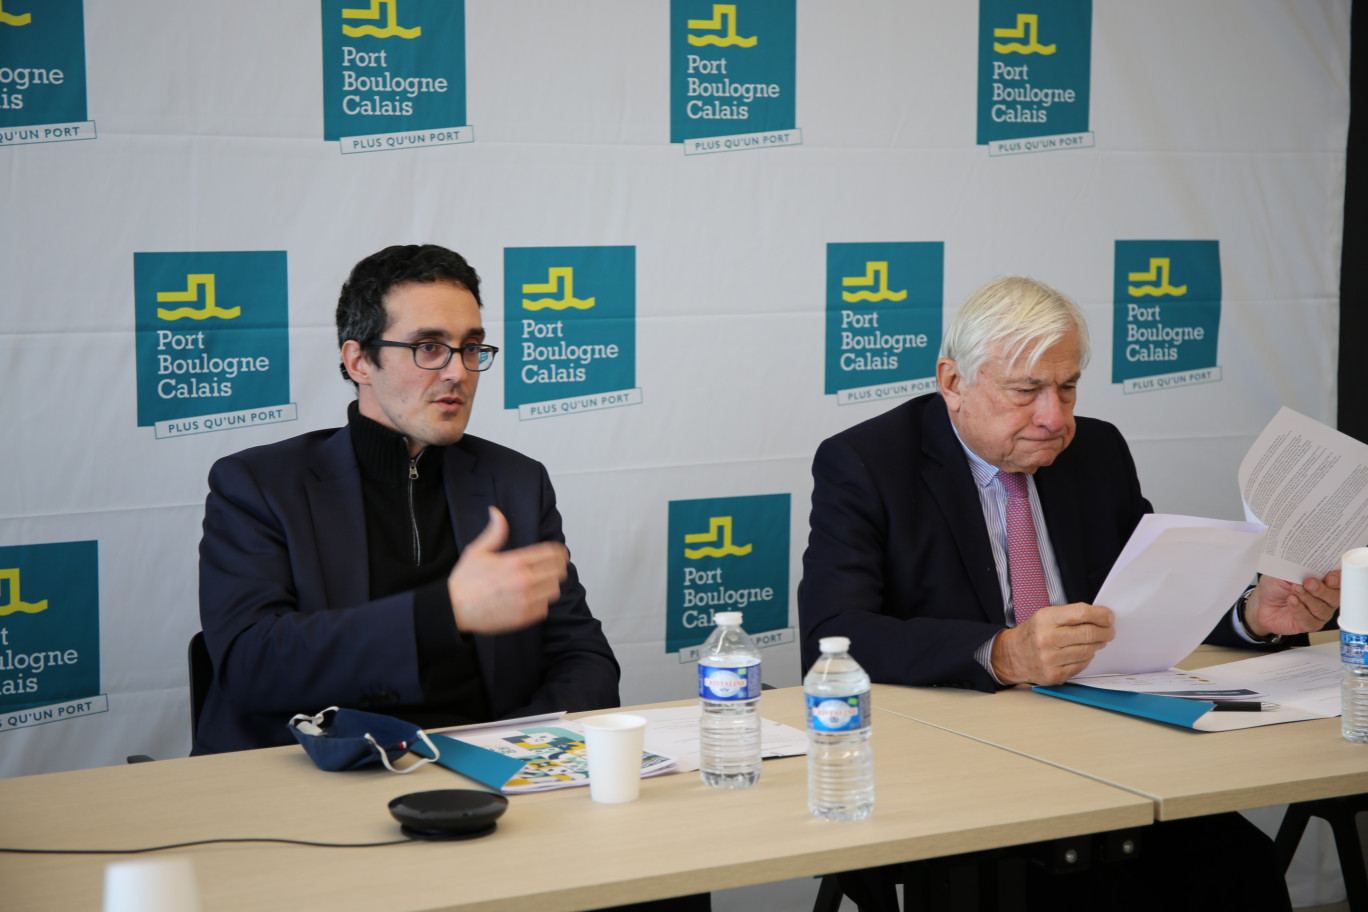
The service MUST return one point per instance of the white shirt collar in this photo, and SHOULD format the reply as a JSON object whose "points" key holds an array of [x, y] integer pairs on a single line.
{"points": [[984, 474]]}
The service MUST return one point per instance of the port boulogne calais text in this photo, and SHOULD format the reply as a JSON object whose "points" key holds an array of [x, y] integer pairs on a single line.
{"points": [[1030, 104], [1155, 341], [199, 375], [404, 89], [877, 350], [729, 100], [540, 361], [705, 593]]}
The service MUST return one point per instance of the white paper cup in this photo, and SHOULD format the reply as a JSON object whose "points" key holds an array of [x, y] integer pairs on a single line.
{"points": [[151, 885], [613, 745], [1354, 591]]}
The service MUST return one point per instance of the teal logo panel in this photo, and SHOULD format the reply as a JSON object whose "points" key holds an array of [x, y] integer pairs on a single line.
{"points": [[42, 62], [392, 65], [212, 333], [49, 623], [732, 67], [727, 554], [884, 305], [1035, 68], [1167, 312], [570, 322]]}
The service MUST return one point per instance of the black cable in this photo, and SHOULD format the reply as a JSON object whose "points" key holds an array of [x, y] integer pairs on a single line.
{"points": [[198, 842]]}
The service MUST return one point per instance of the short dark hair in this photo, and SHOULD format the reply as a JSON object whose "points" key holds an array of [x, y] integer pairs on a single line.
{"points": [[361, 304]]}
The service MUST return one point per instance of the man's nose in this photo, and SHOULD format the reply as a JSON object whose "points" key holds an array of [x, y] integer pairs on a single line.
{"points": [[1051, 411], [455, 369]]}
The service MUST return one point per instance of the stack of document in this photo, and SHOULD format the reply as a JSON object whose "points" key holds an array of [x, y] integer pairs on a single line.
{"points": [[532, 754], [552, 756], [537, 753], [1290, 686]]}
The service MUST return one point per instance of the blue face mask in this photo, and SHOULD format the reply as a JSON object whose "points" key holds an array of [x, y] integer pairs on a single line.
{"points": [[352, 739]]}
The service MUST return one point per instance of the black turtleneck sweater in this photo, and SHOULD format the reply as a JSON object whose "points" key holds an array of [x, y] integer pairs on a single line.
{"points": [[410, 545]]}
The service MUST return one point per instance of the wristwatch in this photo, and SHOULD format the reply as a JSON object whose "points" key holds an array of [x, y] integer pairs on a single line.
{"points": [[1272, 639]]}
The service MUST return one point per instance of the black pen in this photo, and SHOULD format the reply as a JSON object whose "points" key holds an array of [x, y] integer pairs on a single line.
{"points": [[1242, 706]]}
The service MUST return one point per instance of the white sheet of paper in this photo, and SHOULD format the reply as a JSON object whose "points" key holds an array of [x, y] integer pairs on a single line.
{"points": [[1174, 580], [522, 722], [1309, 484], [674, 731], [1304, 683], [1307, 678], [1175, 682]]}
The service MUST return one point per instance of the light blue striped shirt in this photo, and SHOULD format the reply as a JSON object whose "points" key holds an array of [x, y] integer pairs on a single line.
{"points": [[993, 500]]}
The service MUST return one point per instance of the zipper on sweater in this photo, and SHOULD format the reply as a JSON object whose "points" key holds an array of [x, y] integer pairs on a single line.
{"points": [[413, 515]]}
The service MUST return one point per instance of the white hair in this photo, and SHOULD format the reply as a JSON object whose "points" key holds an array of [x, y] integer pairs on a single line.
{"points": [[1017, 315]]}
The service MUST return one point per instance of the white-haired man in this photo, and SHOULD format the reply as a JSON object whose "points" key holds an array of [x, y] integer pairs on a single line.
{"points": [[961, 538]]}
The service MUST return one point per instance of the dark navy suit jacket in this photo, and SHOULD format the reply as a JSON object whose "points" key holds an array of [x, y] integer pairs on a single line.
{"points": [[898, 557], [285, 604]]}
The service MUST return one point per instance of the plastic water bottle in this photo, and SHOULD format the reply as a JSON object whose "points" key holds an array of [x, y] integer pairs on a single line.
{"points": [[729, 695], [1353, 624], [840, 757], [1354, 690]]}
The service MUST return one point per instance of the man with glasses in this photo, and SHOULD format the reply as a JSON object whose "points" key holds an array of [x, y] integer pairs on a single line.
{"points": [[397, 564]]}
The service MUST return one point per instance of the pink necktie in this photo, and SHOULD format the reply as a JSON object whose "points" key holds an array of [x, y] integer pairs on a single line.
{"points": [[1029, 593]]}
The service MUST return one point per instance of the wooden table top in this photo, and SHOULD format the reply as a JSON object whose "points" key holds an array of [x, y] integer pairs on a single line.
{"points": [[1186, 773], [937, 793]]}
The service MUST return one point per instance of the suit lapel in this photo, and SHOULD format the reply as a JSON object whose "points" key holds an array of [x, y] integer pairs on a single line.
{"points": [[470, 494], [946, 470], [339, 522]]}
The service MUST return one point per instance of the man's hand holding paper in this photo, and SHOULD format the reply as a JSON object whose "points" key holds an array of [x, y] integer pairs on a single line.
{"points": [[1052, 645], [1279, 606]]}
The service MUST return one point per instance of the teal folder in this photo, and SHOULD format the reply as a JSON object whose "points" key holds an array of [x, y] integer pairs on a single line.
{"points": [[486, 767], [1173, 710]]}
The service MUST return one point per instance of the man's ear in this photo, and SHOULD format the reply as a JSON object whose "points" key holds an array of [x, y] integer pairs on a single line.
{"points": [[358, 365], [950, 382]]}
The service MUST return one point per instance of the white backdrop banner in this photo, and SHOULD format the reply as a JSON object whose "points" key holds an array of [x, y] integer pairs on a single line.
{"points": [[711, 235]]}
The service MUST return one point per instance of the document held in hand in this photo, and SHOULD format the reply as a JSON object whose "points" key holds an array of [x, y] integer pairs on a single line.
{"points": [[1305, 489], [1308, 484], [1172, 583]]}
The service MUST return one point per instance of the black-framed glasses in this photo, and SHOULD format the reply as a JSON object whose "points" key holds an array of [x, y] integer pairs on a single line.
{"points": [[437, 355]]}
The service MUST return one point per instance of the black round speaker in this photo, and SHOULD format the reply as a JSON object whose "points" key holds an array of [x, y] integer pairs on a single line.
{"points": [[448, 813]]}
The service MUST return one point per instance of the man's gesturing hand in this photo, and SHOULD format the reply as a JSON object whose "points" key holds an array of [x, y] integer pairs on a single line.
{"points": [[1052, 645], [494, 591]]}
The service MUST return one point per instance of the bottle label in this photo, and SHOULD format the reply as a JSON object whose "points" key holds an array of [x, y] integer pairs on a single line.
{"points": [[728, 683], [838, 714], [1353, 648]]}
